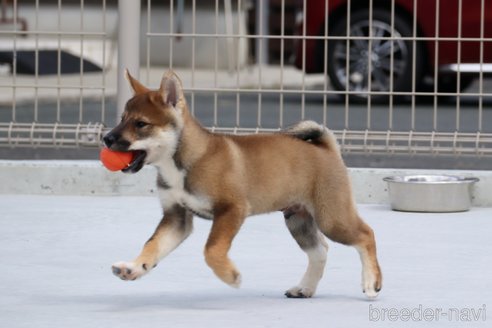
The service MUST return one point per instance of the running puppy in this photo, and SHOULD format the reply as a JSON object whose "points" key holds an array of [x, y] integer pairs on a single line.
{"points": [[226, 178]]}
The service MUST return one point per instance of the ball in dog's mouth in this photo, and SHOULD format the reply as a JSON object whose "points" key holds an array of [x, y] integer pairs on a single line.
{"points": [[137, 163]]}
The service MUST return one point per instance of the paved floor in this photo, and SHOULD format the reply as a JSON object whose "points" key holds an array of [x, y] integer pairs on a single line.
{"points": [[56, 254]]}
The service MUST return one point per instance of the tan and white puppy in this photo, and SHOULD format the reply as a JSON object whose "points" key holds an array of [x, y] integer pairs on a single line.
{"points": [[226, 178]]}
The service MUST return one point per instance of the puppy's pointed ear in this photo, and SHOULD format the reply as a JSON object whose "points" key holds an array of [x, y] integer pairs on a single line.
{"points": [[171, 89], [137, 87]]}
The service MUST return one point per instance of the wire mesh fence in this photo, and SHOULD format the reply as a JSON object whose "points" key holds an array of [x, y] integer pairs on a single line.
{"points": [[396, 77], [53, 57]]}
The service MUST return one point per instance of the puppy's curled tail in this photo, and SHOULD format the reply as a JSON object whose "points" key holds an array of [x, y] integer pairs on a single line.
{"points": [[312, 132]]}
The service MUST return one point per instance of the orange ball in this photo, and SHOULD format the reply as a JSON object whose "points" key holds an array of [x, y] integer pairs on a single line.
{"points": [[115, 160]]}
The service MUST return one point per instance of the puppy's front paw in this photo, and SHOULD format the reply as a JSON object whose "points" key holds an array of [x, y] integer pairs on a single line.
{"points": [[235, 280], [128, 270], [300, 292], [231, 277]]}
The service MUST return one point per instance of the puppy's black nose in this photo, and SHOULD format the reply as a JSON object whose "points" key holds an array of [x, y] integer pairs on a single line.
{"points": [[109, 139]]}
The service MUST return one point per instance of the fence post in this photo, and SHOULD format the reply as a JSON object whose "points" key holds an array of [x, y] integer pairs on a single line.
{"points": [[128, 49], [262, 29]]}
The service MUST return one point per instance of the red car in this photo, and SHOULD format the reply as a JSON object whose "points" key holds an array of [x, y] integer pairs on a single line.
{"points": [[453, 42]]}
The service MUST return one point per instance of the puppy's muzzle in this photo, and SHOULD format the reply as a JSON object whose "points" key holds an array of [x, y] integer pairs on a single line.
{"points": [[114, 141], [109, 139]]}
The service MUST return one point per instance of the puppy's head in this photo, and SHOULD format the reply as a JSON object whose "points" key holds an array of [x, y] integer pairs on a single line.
{"points": [[151, 123]]}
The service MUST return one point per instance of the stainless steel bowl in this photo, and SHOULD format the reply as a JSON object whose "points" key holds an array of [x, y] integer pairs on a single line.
{"points": [[430, 193]]}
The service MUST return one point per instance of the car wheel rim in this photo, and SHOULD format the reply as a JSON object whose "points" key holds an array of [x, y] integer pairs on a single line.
{"points": [[378, 60]]}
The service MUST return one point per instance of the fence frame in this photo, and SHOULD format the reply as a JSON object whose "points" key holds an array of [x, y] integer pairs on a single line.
{"points": [[368, 141]]}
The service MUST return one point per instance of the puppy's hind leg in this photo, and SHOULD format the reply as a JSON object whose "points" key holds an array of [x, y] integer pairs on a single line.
{"points": [[371, 272], [175, 227], [347, 228], [302, 227]]}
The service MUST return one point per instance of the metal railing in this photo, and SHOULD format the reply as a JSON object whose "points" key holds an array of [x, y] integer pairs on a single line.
{"points": [[235, 85], [47, 55]]}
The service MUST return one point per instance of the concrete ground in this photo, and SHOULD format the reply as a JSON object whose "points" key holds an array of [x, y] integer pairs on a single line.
{"points": [[57, 252]]}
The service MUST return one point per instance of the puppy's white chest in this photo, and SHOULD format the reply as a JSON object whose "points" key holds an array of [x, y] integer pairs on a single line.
{"points": [[171, 188]]}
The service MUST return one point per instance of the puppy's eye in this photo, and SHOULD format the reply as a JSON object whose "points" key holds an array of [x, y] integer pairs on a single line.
{"points": [[141, 124]]}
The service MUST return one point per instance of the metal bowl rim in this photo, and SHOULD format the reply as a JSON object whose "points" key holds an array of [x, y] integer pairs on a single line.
{"points": [[430, 179]]}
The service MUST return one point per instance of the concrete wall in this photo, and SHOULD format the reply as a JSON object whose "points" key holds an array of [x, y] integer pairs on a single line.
{"points": [[90, 178]]}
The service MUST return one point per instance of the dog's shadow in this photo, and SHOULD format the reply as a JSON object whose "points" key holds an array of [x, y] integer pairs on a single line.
{"points": [[125, 302], [191, 301]]}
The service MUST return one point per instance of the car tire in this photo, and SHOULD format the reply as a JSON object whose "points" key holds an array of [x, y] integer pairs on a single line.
{"points": [[446, 84], [380, 57], [450, 83]]}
